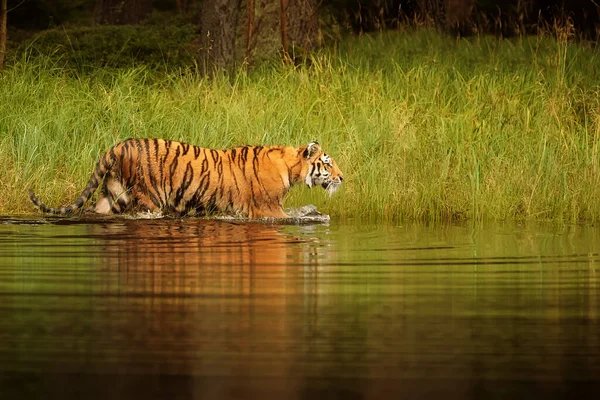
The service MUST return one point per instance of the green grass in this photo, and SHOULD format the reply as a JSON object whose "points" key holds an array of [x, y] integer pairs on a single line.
{"points": [[425, 127]]}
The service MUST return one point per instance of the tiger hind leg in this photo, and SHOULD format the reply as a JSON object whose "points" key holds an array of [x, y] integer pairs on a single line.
{"points": [[115, 198], [143, 203]]}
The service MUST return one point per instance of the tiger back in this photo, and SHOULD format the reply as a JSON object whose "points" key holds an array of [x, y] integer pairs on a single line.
{"points": [[164, 175]]}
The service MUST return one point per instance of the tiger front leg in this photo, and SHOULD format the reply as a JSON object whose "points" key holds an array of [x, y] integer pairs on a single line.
{"points": [[275, 212]]}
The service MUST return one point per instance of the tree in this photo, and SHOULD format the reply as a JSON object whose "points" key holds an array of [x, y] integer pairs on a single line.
{"points": [[283, 27], [3, 12], [302, 26], [250, 29], [184, 6], [122, 12], [218, 32], [458, 15], [289, 28]]}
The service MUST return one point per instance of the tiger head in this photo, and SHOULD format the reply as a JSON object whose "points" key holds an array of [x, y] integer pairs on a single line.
{"points": [[320, 169]]}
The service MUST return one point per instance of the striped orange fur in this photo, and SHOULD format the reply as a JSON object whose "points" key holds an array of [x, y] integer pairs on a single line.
{"points": [[157, 174]]}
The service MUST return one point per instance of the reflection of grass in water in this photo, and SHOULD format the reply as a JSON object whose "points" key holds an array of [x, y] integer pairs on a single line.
{"points": [[37, 262], [514, 271], [424, 127]]}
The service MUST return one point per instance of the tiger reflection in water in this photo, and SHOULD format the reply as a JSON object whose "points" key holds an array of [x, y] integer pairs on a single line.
{"points": [[203, 298], [175, 283], [199, 256]]}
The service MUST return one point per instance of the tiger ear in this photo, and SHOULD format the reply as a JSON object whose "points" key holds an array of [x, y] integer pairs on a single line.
{"points": [[312, 149]]}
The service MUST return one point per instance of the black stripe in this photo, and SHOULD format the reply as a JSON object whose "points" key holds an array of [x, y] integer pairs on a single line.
{"points": [[196, 152], [211, 204], [155, 197], [219, 187], [108, 196], [312, 170], [197, 200], [186, 148], [203, 185], [133, 165], [146, 143], [163, 181], [147, 150], [188, 177], [85, 195], [155, 142], [215, 155], [220, 167], [99, 170], [228, 206], [243, 159], [139, 172], [92, 184], [122, 204], [155, 200], [255, 166], [172, 170], [257, 150], [253, 195], [124, 149], [105, 162], [160, 162], [237, 188], [113, 155]]}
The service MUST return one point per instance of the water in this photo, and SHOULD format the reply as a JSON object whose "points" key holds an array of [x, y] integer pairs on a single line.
{"points": [[158, 309]]}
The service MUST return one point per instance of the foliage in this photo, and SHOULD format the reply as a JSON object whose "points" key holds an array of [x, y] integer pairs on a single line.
{"points": [[424, 127], [165, 43], [42, 14]]}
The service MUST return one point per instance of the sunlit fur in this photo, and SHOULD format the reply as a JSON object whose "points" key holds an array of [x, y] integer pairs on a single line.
{"points": [[156, 174]]}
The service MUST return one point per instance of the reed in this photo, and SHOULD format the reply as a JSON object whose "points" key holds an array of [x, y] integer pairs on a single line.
{"points": [[425, 127]]}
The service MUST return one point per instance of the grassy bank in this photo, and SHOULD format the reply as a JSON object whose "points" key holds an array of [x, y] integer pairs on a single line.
{"points": [[423, 126]]}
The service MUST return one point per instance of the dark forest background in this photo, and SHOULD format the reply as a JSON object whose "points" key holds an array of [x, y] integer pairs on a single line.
{"points": [[225, 33]]}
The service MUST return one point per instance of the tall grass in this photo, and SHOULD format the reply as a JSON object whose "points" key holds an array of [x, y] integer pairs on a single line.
{"points": [[425, 127]]}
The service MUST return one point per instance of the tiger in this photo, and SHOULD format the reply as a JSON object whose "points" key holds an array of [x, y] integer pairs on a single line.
{"points": [[157, 175]]}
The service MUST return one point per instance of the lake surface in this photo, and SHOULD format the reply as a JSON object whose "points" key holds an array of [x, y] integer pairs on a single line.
{"points": [[168, 309]]}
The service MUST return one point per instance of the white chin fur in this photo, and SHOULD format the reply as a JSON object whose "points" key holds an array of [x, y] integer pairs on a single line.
{"points": [[332, 188], [308, 181]]}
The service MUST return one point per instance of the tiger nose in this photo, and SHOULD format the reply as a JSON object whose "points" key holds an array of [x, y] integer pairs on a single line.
{"points": [[341, 178]]}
